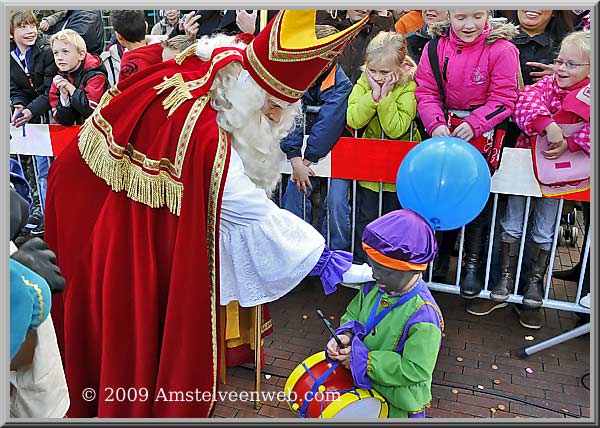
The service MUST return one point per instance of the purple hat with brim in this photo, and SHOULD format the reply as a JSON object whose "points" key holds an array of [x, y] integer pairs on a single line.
{"points": [[401, 235]]}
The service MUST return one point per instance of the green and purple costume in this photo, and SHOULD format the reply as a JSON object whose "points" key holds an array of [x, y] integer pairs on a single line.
{"points": [[396, 338]]}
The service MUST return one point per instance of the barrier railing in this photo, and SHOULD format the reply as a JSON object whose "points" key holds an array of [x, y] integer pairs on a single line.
{"points": [[378, 160]]}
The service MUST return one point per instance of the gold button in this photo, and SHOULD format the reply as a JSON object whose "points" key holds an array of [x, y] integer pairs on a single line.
{"points": [[385, 303]]}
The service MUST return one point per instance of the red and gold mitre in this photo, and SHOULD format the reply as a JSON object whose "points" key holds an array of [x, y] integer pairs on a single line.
{"points": [[286, 57]]}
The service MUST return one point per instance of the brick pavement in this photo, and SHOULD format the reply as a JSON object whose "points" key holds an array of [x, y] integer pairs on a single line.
{"points": [[471, 346]]}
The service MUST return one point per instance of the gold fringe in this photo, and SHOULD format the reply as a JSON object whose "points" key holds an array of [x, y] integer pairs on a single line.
{"points": [[189, 51], [120, 174], [178, 96]]}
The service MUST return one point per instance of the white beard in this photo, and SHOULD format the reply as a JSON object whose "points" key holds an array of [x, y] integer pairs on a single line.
{"points": [[256, 139], [238, 102]]}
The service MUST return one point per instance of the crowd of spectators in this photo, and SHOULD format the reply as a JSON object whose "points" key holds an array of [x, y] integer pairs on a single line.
{"points": [[384, 85]]}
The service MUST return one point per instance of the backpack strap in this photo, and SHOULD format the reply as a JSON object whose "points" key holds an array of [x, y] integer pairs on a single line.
{"points": [[435, 68]]}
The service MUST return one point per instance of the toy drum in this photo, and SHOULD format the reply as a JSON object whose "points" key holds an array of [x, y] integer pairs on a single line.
{"points": [[320, 389]]}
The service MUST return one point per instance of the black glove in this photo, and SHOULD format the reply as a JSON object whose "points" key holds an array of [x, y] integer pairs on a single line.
{"points": [[19, 213], [36, 255]]}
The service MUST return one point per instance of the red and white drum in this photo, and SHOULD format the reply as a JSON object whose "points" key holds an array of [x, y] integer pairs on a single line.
{"points": [[320, 389]]}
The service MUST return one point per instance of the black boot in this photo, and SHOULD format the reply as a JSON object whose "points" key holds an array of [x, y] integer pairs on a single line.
{"points": [[509, 252], [471, 278], [440, 268], [534, 285], [569, 274]]}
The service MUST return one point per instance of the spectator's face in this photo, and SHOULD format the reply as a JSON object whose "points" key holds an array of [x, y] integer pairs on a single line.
{"points": [[565, 76], [25, 34], [66, 56], [381, 69], [172, 15], [468, 24], [357, 15], [534, 21], [272, 110], [431, 16]]}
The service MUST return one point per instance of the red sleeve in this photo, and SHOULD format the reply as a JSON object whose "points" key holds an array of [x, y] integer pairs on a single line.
{"points": [[95, 89], [53, 96]]}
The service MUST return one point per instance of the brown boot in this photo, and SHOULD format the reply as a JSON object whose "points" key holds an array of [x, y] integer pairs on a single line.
{"points": [[534, 288], [509, 254], [530, 318], [481, 307]]}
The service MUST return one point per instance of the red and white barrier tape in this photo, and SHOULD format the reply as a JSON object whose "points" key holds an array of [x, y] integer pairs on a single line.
{"points": [[351, 158]]}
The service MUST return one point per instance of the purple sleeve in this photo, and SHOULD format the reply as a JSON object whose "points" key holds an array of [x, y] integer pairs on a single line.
{"points": [[331, 267], [355, 327], [359, 361]]}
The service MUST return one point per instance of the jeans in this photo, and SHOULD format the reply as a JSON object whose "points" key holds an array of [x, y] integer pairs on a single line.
{"points": [[42, 164], [367, 210], [335, 203], [543, 218]]}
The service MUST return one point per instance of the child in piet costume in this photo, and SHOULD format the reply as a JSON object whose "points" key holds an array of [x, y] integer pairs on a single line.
{"points": [[394, 326]]}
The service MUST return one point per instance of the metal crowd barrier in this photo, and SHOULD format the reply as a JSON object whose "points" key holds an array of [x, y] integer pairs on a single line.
{"points": [[548, 301], [454, 288]]}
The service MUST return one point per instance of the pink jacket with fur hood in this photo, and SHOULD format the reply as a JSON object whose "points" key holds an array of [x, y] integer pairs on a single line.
{"points": [[481, 76]]}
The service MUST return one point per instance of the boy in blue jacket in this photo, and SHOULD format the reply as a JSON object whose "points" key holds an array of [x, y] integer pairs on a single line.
{"points": [[324, 106]]}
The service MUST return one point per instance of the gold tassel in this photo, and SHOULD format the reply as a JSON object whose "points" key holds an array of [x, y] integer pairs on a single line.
{"points": [[120, 174], [189, 51], [178, 96]]}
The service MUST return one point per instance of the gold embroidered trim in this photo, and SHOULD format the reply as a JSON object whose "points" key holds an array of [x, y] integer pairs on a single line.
{"points": [[181, 89], [269, 78], [122, 174], [186, 132], [178, 95], [40, 298], [414, 412], [327, 52], [195, 84], [115, 165], [189, 51], [211, 238]]}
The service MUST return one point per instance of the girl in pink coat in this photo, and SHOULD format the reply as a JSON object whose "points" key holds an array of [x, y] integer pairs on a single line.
{"points": [[479, 69], [544, 108]]}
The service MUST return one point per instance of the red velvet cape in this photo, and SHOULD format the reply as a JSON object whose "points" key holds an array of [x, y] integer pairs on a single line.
{"points": [[137, 322]]}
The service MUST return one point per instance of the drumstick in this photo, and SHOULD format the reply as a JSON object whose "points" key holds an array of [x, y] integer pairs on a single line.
{"points": [[331, 330]]}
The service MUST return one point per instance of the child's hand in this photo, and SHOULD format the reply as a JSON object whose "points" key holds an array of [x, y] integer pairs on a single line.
{"points": [[346, 362], [388, 84], [441, 131], [554, 134], [17, 109], [23, 119], [61, 84], [334, 351], [44, 25], [556, 149], [300, 175], [375, 88], [463, 131]]}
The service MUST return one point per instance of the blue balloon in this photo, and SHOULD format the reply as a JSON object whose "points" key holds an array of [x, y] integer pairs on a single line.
{"points": [[446, 180]]}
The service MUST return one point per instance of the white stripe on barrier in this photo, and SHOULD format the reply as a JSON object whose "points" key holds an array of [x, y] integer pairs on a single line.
{"points": [[35, 142], [515, 176]]}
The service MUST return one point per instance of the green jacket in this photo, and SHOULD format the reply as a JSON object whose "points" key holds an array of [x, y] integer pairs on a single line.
{"points": [[394, 114], [403, 377]]}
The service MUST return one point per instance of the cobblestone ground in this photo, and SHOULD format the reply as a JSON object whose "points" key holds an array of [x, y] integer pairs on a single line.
{"points": [[477, 352]]}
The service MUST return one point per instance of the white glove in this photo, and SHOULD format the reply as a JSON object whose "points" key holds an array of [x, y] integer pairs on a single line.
{"points": [[358, 274]]}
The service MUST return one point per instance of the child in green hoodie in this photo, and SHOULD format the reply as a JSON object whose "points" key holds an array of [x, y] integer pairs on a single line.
{"points": [[382, 105]]}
